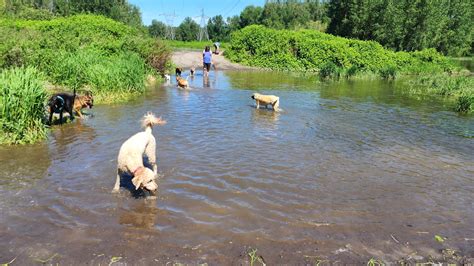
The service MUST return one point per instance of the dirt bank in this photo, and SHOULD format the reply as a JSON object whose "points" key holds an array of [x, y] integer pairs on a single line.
{"points": [[193, 58]]}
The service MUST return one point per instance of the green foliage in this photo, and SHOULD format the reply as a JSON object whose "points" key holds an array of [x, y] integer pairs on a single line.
{"points": [[329, 70], [84, 50], [308, 50], [461, 88], [22, 99], [388, 72], [217, 29], [119, 10], [157, 29], [406, 25], [187, 30]]}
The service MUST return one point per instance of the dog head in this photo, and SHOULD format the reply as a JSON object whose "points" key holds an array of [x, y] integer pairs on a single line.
{"points": [[144, 178], [88, 100], [254, 96]]}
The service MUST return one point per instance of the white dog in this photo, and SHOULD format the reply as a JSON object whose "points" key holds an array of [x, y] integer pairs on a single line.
{"points": [[130, 158], [167, 77], [272, 100]]}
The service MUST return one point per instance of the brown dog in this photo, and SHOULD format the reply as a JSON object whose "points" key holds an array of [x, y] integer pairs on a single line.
{"points": [[83, 101], [272, 100], [183, 83]]}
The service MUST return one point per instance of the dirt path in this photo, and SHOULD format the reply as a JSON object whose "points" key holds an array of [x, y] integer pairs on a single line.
{"points": [[193, 58]]}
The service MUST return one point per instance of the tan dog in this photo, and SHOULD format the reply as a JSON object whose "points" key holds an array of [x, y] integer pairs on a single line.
{"points": [[183, 83], [83, 101], [130, 158], [266, 100]]}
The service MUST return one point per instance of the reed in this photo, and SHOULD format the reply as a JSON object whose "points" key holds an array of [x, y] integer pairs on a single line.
{"points": [[22, 98]]}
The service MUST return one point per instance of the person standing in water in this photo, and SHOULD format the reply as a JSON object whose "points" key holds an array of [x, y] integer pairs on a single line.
{"points": [[207, 60]]}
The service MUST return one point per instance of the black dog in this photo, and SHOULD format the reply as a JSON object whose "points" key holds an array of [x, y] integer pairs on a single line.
{"points": [[178, 71], [60, 102]]}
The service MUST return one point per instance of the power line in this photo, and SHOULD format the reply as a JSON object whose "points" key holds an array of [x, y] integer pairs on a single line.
{"points": [[238, 1], [169, 18]]}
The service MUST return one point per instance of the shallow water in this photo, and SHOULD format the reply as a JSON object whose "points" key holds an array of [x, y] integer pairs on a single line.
{"points": [[347, 172]]}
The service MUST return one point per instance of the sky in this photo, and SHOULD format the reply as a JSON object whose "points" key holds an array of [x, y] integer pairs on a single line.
{"points": [[151, 9]]}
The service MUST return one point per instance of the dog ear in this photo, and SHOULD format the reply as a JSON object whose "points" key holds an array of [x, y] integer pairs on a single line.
{"points": [[137, 180]]}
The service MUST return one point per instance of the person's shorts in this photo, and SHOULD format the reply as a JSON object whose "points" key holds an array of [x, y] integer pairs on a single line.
{"points": [[207, 66]]}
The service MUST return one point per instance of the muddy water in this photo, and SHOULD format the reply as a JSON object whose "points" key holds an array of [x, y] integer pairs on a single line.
{"points": [[347, 172]]}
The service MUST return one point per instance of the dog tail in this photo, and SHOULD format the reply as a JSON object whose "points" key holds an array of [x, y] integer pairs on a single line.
{"points": [[149, 120]]}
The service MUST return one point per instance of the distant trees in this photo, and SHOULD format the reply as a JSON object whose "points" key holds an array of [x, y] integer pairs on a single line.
{"points": [[157, 29], [447, 25], [119, 10], [187, 30], [217, 29]]}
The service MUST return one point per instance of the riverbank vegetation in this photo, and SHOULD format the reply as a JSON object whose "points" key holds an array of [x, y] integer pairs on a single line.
{"points": [[22, 98], [313, 51], [82, 52]]}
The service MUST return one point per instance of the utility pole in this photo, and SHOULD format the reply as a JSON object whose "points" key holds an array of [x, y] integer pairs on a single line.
{"points": [[203, 27], [169, 18]]}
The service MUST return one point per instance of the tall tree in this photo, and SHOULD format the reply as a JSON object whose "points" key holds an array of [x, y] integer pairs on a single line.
{"points": [[250, 15], [217, 29], [157, 29], [187, 30]]}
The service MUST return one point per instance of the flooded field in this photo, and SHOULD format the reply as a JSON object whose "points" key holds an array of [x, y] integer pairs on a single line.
{"points": [[348, 171]]}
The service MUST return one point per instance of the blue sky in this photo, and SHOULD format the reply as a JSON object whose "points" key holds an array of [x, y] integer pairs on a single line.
{"points": [[151, 9]]}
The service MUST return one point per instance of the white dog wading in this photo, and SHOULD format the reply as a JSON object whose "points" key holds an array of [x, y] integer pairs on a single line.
{"points": [[130, 158]]}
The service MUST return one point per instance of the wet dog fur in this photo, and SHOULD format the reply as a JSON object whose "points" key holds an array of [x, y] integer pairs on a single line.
{"points": [[83, 101], [178, 71], [59, 103], [130, 158], [183, 83], [266, 100]]}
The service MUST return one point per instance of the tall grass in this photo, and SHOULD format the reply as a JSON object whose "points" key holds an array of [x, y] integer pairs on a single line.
{"points": [[111, 78], [22, 98], [460, 88]]}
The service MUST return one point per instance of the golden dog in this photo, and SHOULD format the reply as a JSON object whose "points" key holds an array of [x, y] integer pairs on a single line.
{"points": [[83, 101], [265, 100], [183, 83]]}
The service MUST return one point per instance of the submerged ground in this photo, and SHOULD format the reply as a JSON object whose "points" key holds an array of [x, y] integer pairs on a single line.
{"points": [[349, 171]]}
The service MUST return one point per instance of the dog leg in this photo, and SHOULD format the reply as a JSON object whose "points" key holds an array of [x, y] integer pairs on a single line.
{"points": [[150, 153], [61, 117], [117, 184], [258, 104], [50, 115], [80, 114], [275, 106]]}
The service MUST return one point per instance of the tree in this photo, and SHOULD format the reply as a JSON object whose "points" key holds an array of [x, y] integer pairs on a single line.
{"points": [[250, 15], [157, 29], [233, 23], [187, 30], [217, 29]]}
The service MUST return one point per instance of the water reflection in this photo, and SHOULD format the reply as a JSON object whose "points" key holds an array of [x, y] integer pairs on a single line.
{"points": [[139, 214]]}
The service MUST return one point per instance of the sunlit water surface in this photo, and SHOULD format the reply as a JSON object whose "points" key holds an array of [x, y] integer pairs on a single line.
{"points": [[348, 171]]}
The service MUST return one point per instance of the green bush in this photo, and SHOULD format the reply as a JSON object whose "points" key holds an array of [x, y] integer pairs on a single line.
{"points": [[22, 99], [388, 72], [84, 51], [460, 88], [329, 70], [310, 50]]}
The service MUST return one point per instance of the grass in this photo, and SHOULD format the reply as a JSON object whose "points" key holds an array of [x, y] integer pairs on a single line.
{"points": [[252, 253], [110, 78], [460, 88], [192, 45], [22, 98]]}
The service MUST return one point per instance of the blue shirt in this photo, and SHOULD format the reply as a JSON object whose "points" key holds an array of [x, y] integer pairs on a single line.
{"points": [[206, 56]]}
